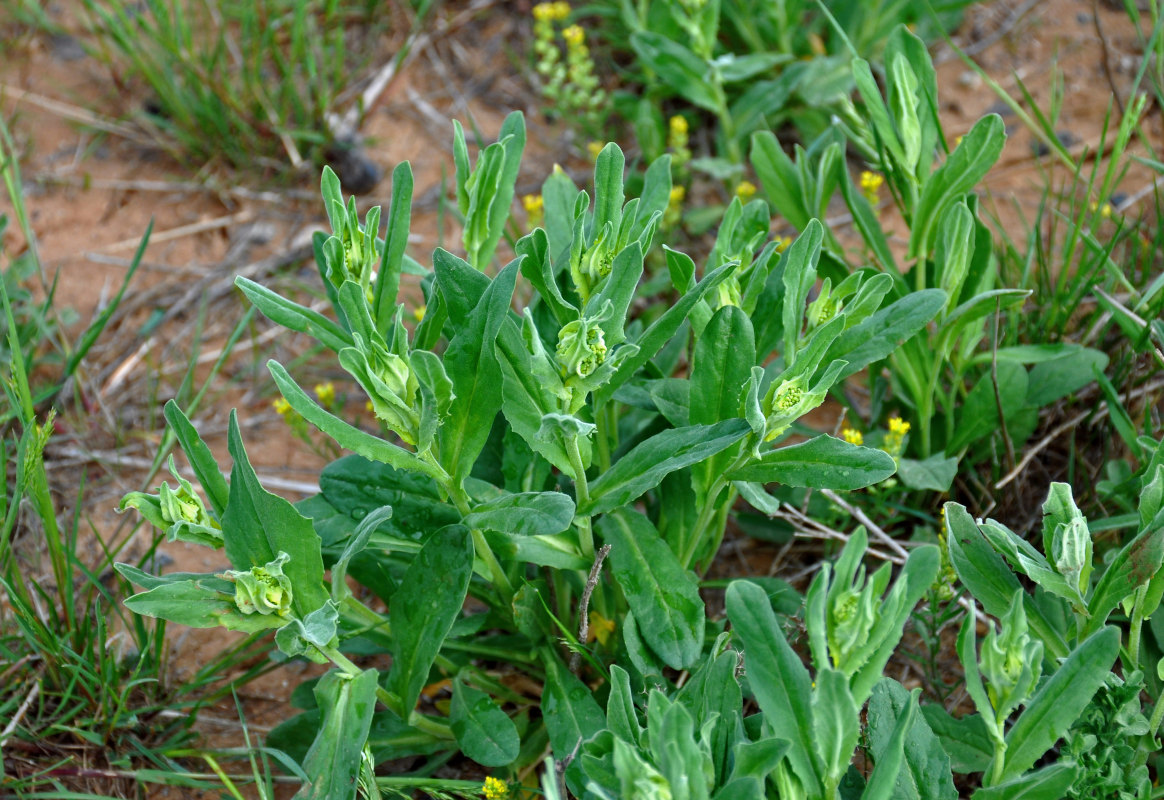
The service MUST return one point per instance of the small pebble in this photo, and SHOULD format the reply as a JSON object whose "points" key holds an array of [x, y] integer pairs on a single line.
{"points": [[358, 174]]}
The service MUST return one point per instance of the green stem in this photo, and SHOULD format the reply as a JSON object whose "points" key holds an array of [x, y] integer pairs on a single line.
{"points": [[481, 546], [604, 418], [705, 515], [999, 757], [582, 490], [1137, 623]]}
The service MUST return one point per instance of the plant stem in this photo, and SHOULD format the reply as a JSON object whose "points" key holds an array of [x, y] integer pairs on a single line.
{"points": [[481, 546], [705, 515], [582, 490]]}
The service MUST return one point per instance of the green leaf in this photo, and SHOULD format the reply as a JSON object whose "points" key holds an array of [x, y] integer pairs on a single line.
{"points": [[608, 190], [987, 577], [484, 732], [683, 71], [571, 714], [1056, 378], [886, 777], [799, 262], [471, 362], [935, 473], [201, 459], [258, 525], [642, 468], [965, 167], [780, 179], [926, 774], [663, 596], [979, 417], [880, 334], [370, 447], [721, 366], [1135, 564], [660, 332], [823, 462], [334, 760], [356, 487], [778, 679], [198, 601], [621, 717], [966, 741], [395, 240], [1052, 782], [293, 316], [425, 606], [528, 513], [1060, 701], [835, 721]]}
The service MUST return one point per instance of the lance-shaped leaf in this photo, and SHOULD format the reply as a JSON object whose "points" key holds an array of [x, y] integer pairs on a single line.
{"points": [[201, 460], [258, 525], [823, 462], [642, 468], [835, 719], [571, 713], [425, 606], [192, 599], [293, 316], [1133, 566], [471, 363], [778, 679], [1060, 701], [395, 240], [663, 596], [484, 732], [926, 767], [722, 364], [527, 514], [881, 333], [1052, 782], [334, 760]]}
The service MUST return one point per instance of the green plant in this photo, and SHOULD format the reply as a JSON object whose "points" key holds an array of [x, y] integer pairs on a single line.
{"points": [[750, 65], [254, 85], [521, 442]]}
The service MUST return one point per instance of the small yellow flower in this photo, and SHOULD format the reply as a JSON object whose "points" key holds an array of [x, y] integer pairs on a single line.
{"points": [[678, 127], [535, 208], [783, 243], [282, 407], [746, 190], [601, 628], [678, 195], [326, 393], [853, 436], [594, 148], [495, 789], [958, 141], [574, 35], [898, 426], [894, 440], [1104, 210], [871, 185], [551, 12], [419, 312]]}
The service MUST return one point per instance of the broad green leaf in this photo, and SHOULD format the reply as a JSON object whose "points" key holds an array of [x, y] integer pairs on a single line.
{"points": [[962, 319], [926, 768], [778, 679], [880, 334], [608, 191], [1052, 782], [778, 175], [663, 596], [537, 269], [800, 262], [201, 459], [1060, 701], [886, 778], [965, 167], [721, 366], [304, 637], [354, 546], [528, 513], [823, 462], [370, 447], [356, 487], [571, 714], [1056, 378], [621, 717], [979, 416], [642, 468], [1023, 557], [472, 365], [484, 732], [461, 286], [334, 760], [966, 740], [425, 606], [559, 552], [758, 759], [258, 525], [987, 577], [935, 473], [197, 602]]}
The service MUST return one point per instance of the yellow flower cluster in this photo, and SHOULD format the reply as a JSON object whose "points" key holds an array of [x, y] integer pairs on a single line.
{"points": [[674, 210], [282, 407], [745, 190], [677, 140], [594, 149], [894, 440], [495, 788], [871, 185], [535, 208], [326, 394], [852, 436], [551, 12], [1104, 210]]}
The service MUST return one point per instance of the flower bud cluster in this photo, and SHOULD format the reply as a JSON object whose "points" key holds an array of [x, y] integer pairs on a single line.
{"points": [[263, 590], [570, 85]]}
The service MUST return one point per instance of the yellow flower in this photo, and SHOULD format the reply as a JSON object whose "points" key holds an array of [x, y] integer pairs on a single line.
{"points": [[551, 12], [871, 185], [495, 789], [594, 148], [326, 393], [601, 628], [419, 312], [678, 194], [783, 243], [282, 407], [1104, 210], [574, 35], [678, 127], [898, 426], [534, 207], [746, 190], [853, 436], [894, 440]]}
